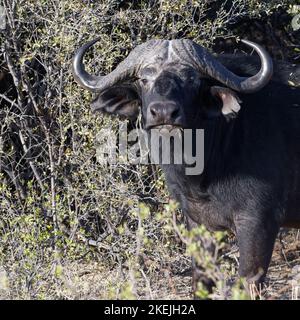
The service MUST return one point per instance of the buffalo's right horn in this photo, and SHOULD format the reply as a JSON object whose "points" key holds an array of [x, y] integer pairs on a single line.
{"points": [[127, 69]]}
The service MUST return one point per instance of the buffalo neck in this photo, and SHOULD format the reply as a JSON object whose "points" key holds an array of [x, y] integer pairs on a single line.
{"points": [[220, 146], [221, 150]]}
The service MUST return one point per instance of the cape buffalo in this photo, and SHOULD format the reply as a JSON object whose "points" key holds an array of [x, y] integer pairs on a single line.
{"points": [[249, 108]]}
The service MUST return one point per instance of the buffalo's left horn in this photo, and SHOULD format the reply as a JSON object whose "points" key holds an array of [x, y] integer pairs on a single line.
{"points": [[208, 64]]}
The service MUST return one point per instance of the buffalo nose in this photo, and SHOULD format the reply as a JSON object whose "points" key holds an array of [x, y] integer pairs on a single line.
{"points": [[166, 113]]}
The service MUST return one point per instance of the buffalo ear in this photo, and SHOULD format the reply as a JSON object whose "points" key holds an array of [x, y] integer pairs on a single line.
{"points": [[231, 102], [118, 100]]}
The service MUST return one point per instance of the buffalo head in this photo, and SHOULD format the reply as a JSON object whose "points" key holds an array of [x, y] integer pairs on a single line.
{"points": [[173, 83]]}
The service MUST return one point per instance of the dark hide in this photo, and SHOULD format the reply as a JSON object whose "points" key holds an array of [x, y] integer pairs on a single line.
{"points": [[251, 179]]}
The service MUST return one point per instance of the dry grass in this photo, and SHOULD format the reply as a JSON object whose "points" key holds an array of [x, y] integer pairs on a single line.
{"points": [[92, 280]]}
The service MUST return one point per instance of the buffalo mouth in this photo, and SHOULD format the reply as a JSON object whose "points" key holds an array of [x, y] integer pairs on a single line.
{"points": [[165, 126]]}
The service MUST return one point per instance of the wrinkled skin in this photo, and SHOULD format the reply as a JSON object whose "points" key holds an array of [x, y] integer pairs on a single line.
{"points": [[251, 179]]}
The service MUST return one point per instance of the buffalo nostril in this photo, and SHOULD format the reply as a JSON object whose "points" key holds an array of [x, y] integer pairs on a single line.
{"points": [[175, 114], [153, 112]]}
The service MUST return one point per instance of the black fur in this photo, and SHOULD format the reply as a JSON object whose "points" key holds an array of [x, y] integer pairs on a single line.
{"points": [[251, 180]]}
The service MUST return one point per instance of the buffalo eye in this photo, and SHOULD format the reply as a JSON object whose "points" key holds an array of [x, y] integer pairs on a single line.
{"points": [[188, 75], [144, 81]]}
